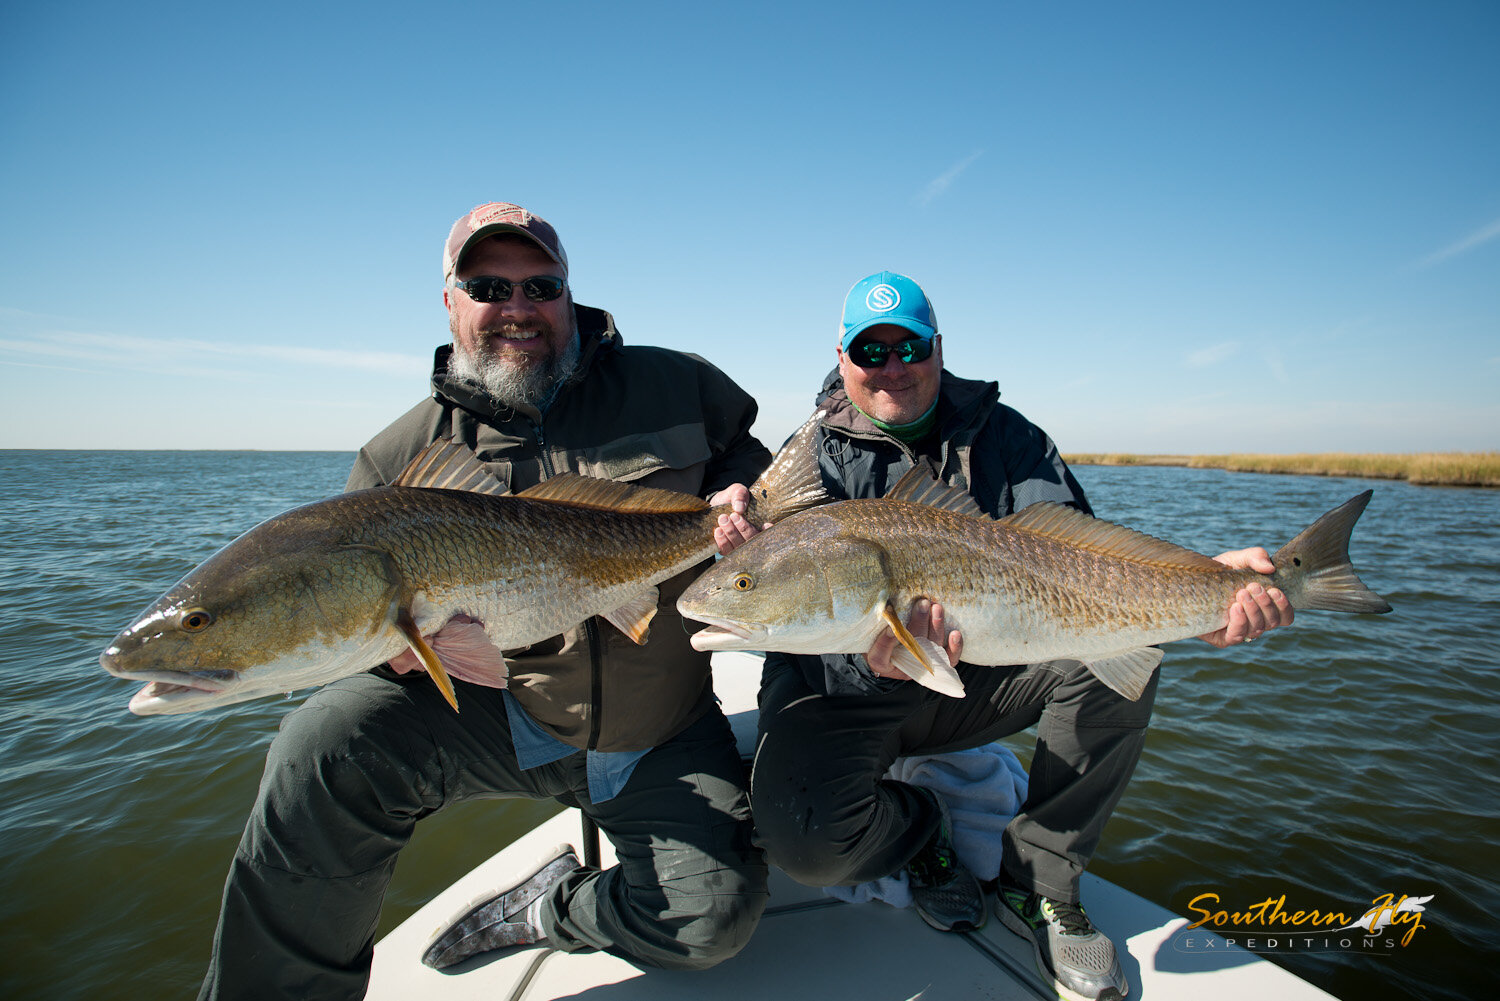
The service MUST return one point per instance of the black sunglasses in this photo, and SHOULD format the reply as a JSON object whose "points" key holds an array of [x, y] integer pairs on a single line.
{"points": [[872, 354], [488, 288]]}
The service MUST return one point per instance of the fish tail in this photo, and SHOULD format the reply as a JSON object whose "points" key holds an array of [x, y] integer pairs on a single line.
{"points": [[1313, 570], [793, 481]]}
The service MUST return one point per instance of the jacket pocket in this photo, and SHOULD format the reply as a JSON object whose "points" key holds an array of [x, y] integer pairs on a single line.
{"points": [[673, 458]]}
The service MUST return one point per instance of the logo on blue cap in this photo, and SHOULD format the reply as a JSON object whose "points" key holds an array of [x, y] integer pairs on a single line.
{"points": [[887, 297], [882, 299]]}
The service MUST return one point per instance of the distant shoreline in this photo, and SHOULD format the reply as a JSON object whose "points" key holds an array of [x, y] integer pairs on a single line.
{"points": [[1439, 469]]}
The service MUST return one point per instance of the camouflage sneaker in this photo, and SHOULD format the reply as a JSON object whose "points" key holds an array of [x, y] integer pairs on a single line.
{"points": [[944, 892], [1071, 953], [501, 920]]}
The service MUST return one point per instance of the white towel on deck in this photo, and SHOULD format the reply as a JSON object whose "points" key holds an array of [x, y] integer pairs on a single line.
{"points": [[984, 788]]}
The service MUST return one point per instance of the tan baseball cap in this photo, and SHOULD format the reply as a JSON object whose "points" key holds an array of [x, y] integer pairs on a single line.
{"points": [[496, 217]]}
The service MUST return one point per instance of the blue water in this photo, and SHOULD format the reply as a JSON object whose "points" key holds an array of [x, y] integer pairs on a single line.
{"points": [[1341, 759]]}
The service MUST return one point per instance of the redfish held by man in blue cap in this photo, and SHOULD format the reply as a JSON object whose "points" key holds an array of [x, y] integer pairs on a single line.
{"points": [[1045, 583]]}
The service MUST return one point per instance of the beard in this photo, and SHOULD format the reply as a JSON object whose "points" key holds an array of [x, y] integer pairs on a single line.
{"points": [[511, 378]]}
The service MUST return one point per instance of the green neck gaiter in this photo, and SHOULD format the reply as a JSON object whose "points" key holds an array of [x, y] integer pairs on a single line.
{"points": [[911, 433]]}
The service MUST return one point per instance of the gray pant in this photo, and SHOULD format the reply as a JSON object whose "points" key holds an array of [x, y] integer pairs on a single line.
{"points": [[825, 814], [365, 758]]}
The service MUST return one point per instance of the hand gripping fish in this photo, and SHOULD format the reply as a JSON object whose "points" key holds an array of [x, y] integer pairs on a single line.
{"points": [[338, 586], [1045, 583]]}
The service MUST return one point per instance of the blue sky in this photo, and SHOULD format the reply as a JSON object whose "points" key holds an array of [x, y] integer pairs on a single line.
{"points": [[1160, 227]]}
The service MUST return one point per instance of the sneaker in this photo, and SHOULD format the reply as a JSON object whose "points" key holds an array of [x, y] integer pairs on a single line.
{"points": [[501, 920], [1077, 958], [944, 892]]}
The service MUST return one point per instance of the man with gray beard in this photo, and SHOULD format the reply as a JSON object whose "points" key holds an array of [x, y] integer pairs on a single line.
{"points": [[536, 385], [500, 370]]}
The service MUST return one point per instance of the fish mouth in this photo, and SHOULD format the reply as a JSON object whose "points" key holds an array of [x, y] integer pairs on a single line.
{"points": [[164, 698], [721, 634], [171, 691]]}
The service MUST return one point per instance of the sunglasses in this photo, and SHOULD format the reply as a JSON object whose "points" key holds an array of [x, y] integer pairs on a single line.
{"points": [[872, 354], [488, 288]]}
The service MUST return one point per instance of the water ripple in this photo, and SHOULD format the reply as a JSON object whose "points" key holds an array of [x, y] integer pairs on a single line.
{"points": [[1346, 757]]}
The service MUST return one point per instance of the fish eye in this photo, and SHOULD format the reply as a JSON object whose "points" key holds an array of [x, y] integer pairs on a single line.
{"points": [[195, 620], [742, 582]]}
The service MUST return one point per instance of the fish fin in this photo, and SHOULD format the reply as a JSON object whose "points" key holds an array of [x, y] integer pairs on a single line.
{"points": [[634, 617], [1314, 570], [792, 482], [904, 636], [933, 671], [1069, 525], [919, 485], [921, 659], [468, 653], [449, 465], [1127, 673], [426, 656], [590, 492]]}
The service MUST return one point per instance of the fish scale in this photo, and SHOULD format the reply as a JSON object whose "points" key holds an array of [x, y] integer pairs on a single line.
{"points": [[1046, 583], [1022, 598], [511, 558], [334, 588]]}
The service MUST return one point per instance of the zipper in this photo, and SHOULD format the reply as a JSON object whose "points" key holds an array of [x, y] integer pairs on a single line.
{"points": [[946, 447], [541, 451], [880, 440], [596, 674], [591, 632]]}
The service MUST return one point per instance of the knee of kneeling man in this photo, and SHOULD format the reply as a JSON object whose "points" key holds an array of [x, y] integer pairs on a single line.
{"points": [[818, 868], [796, 841], [719, 931], [805, 857], [330, 743], [312, 732]]}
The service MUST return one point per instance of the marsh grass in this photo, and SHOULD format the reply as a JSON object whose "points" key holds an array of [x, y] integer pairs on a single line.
{"points": [[1454, 469]]}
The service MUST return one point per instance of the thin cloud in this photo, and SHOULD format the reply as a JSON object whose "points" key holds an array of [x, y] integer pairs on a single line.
{"points": [[157, 353], [1213, 355], [1277, 364], [943, 181], [1476, 239]]}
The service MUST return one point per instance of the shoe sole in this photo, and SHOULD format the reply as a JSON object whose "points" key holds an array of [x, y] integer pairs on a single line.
{"points": [[1010, 919], [959, 926]]}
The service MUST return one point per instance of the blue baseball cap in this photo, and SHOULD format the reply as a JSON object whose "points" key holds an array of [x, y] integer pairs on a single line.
{"points": [[886, 297]]}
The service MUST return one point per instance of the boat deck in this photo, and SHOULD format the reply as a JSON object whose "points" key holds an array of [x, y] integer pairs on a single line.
{"points": [[809, 945]]}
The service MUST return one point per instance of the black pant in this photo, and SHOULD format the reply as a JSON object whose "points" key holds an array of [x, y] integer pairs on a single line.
{"points": [[825, 814], [355, 768]]}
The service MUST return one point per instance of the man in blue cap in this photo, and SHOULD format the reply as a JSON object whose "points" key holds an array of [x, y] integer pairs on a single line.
{"points": [[831, 726]]}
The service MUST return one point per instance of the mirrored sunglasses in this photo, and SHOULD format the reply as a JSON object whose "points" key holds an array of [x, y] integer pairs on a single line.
{"points": [[488, 288], [872, 354]]}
